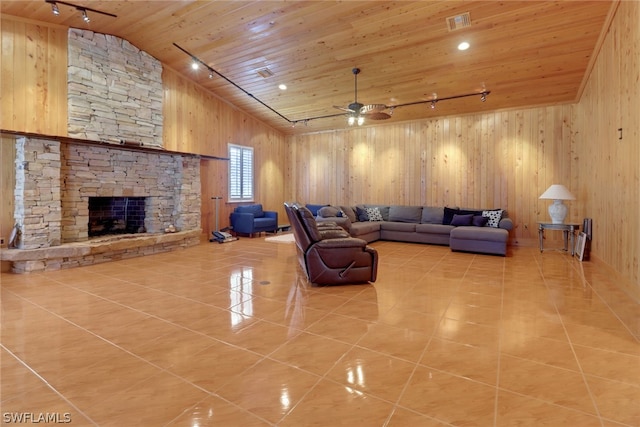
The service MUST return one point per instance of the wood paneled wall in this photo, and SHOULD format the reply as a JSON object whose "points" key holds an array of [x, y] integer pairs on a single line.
{"points": [[196, 121], [609, 166], [33, 77], [493, 160]]}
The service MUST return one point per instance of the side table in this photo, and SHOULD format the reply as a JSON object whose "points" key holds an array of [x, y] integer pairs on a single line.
{"points": [[567, 229]]}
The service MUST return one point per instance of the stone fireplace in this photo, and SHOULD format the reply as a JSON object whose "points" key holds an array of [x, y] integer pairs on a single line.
{"points": [[57, 178], [114, 151]]}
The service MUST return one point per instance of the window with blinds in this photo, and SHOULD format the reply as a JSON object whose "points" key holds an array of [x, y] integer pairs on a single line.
{"points": [[240, 173]]}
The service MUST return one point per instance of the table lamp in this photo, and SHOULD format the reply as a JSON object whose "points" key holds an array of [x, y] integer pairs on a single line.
{"points": [[557, 210]]}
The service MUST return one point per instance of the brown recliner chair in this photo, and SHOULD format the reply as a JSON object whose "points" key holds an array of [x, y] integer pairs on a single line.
{"points": [[330, 257]]}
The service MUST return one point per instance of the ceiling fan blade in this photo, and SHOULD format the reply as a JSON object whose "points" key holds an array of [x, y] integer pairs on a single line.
{"points": [[378, 115], [372, 108], [346, 110]]}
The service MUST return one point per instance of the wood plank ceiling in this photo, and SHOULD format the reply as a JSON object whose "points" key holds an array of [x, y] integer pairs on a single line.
{"points": [[526, 53]]}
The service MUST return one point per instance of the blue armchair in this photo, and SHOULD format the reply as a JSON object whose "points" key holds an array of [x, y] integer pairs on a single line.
{"points": [[250, 219]]}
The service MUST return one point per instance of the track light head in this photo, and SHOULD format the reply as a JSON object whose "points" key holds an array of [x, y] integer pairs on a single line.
{"points": [[85, 17], [433, 105], [483, 96], [54, 9]]}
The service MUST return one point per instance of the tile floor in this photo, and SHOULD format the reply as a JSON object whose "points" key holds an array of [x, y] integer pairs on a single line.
{"points": [[233, 335]]}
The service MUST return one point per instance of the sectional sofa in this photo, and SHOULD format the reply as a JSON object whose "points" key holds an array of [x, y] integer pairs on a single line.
{"points": [[466, 230]]}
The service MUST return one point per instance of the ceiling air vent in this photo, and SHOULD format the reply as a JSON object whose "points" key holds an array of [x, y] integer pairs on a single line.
{"points": [[265, 72], [459, 21]]}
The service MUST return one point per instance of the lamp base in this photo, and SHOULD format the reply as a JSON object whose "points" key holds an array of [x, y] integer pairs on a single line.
{"points": [[557, 212]]}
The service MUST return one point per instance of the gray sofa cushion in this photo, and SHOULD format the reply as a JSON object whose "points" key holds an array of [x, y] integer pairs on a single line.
{"points": [[398, 226], [488, 234], [432, 215], [328, 212], [434, 228], [364, 227], [350, 212], [405, 213]]}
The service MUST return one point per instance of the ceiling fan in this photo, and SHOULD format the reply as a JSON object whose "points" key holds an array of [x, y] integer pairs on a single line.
{"points": [[357, 111]]}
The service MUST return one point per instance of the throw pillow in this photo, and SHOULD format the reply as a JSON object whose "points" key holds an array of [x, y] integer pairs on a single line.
{"points": [[461, 220], [374, 214], [361, 213], [448, 215], [494, 217], [480, 221], [384, 210]]}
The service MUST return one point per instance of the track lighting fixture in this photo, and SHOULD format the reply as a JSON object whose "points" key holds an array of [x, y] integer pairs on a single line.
{"points": [[82, 9], [85, 17], [355, 115]]}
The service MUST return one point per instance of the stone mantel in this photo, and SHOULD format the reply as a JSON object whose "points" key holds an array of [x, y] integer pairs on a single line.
{"points": [[114, 145]]}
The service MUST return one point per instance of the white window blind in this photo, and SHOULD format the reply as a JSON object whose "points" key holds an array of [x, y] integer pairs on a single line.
{"points": [[240, 173]]}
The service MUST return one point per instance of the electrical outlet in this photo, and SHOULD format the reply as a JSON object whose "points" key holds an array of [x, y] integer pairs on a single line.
{"points": [[1, 240]]}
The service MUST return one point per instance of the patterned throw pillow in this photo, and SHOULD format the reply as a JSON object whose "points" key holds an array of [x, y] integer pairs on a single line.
{"points": [[494, 217], [374, 214]]}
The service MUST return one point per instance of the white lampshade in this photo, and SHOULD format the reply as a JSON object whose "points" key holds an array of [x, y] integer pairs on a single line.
{"points": [[557, 192], [557, 210]]}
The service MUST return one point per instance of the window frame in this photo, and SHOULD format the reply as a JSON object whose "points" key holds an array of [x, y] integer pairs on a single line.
{"points": [[237, 195]]}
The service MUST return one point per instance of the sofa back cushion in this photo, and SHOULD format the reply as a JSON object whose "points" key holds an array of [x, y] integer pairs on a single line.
{"points": [[432, 215], [405, 214], [350, 212], [256, 210], [328, 212]]}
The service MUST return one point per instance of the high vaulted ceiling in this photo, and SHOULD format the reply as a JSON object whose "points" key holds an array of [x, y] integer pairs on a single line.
{"points": [[525, 52]]}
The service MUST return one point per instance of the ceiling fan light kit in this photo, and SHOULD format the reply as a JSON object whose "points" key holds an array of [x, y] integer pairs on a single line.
{"points": [[355, 112]]}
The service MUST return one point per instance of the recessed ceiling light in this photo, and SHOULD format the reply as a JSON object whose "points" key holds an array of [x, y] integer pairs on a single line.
{"points": [[282, 86], [463, 46]]}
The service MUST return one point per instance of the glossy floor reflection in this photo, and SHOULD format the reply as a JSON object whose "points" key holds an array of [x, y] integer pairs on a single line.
{"points": [[233, 335]]}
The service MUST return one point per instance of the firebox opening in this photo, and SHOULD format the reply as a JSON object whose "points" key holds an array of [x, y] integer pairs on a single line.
{"points": [[116, 215]]}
